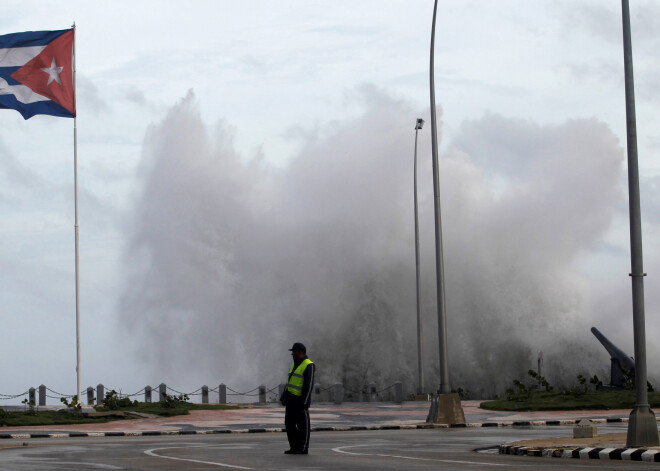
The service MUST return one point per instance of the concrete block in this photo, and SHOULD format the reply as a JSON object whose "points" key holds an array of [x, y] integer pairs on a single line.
{"points": [[338, 393], [398, 392], [446, 409], [642, 428], [205, 394], [147, 394], [585, 429], [222, 393], [372, 395], [318, 393]]}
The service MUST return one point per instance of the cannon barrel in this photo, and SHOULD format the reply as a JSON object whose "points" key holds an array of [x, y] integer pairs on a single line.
{"points": [[615, 352]]}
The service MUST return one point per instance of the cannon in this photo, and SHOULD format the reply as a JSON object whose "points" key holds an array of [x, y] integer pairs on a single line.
{"points": [[622, 366]]}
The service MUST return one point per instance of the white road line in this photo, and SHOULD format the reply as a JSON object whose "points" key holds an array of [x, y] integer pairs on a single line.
{"points": [[224, 465], [75, 464], [78, 463], [340, 449]]}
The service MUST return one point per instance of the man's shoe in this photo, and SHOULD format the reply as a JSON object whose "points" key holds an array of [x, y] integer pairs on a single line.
{"points": [[296, 452], [289, 451], [305, 452]]}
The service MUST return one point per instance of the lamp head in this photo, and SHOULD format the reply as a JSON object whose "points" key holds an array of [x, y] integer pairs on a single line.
{"points": [[419, 124]]}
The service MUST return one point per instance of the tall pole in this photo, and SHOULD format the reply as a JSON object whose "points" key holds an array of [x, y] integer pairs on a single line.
{"points": [[75, 197], [444, 388], [420, 340], [642, 426]]}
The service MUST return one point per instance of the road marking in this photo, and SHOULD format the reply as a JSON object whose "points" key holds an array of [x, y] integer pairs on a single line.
{"points": [[224, 465], [78, 463], [340, 449]]}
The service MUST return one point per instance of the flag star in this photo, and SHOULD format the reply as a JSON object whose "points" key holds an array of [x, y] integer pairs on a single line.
{"points": [[54, 72]]}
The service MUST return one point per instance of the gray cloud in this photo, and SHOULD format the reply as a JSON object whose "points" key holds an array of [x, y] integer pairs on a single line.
{"points": [[136, 96], [604, 21], [89, 95], [650, 193], [13, 171]]}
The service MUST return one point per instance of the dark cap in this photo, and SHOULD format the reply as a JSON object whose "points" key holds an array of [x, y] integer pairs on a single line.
{"points": [[298, 347]]}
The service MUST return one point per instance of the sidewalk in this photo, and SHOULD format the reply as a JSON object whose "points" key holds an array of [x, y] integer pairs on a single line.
{"points": [[324, 416], [611, 446]]}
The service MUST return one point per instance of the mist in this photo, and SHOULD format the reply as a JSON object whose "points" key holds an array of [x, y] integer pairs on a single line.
{"points": [[231, 259]]}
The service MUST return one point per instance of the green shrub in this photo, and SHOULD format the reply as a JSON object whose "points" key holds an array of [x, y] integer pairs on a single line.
{"points": [[540, 381], [463, 394], [29, 407], [111, 401], [171, 402], [73, 404]]}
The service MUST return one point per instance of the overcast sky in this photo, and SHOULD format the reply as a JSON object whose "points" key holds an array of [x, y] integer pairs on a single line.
{"points": [[274, 74]]}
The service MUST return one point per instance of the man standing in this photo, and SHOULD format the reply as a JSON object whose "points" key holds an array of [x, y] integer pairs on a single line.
{"points": [[297, 397]]}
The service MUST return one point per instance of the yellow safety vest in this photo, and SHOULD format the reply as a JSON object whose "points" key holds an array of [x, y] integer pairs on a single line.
{"points": [[295, 383]]}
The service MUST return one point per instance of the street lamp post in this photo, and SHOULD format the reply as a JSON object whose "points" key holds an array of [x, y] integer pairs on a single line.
{"points": [[444, 388], [445, 407], [642, 426], [420, 350]]}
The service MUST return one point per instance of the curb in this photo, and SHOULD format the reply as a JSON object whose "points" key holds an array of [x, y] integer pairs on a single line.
{"points": [[154, 433], [623, 454]]}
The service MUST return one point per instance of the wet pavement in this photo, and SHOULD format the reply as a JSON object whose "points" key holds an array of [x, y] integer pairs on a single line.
{"points": [[424, 450], [323, 415], [197, 441]]}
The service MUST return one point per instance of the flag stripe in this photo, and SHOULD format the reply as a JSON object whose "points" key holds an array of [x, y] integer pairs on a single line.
{"points": [[5, 74], [29, 38], [22, 93], [17, 56], [29, 110]]}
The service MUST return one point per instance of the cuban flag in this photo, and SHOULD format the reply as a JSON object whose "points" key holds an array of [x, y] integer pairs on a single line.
{"points": [[36, 73]]}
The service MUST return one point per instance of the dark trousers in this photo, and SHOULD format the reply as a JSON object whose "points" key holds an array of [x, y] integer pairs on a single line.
{"points": [[296, 421]]}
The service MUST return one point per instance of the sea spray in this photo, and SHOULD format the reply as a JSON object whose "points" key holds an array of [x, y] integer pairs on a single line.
{"points": [[230, 260]]}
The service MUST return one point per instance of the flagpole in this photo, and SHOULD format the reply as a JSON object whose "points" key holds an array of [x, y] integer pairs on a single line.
{"points": [[75, 195]]}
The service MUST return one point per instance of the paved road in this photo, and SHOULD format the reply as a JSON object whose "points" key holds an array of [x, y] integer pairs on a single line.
{"points": [[446, 449], [322, 415]]}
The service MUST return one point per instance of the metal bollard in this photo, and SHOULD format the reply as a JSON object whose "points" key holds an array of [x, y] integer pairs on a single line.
{"points": [[398, 392], [338, 393], [162, 392], [317, 393], [42, 395], [147, 394], [90, 396], [262, 394], [222, 393], [372, 395], [100, 393], [205, 394], [31, 396]]}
